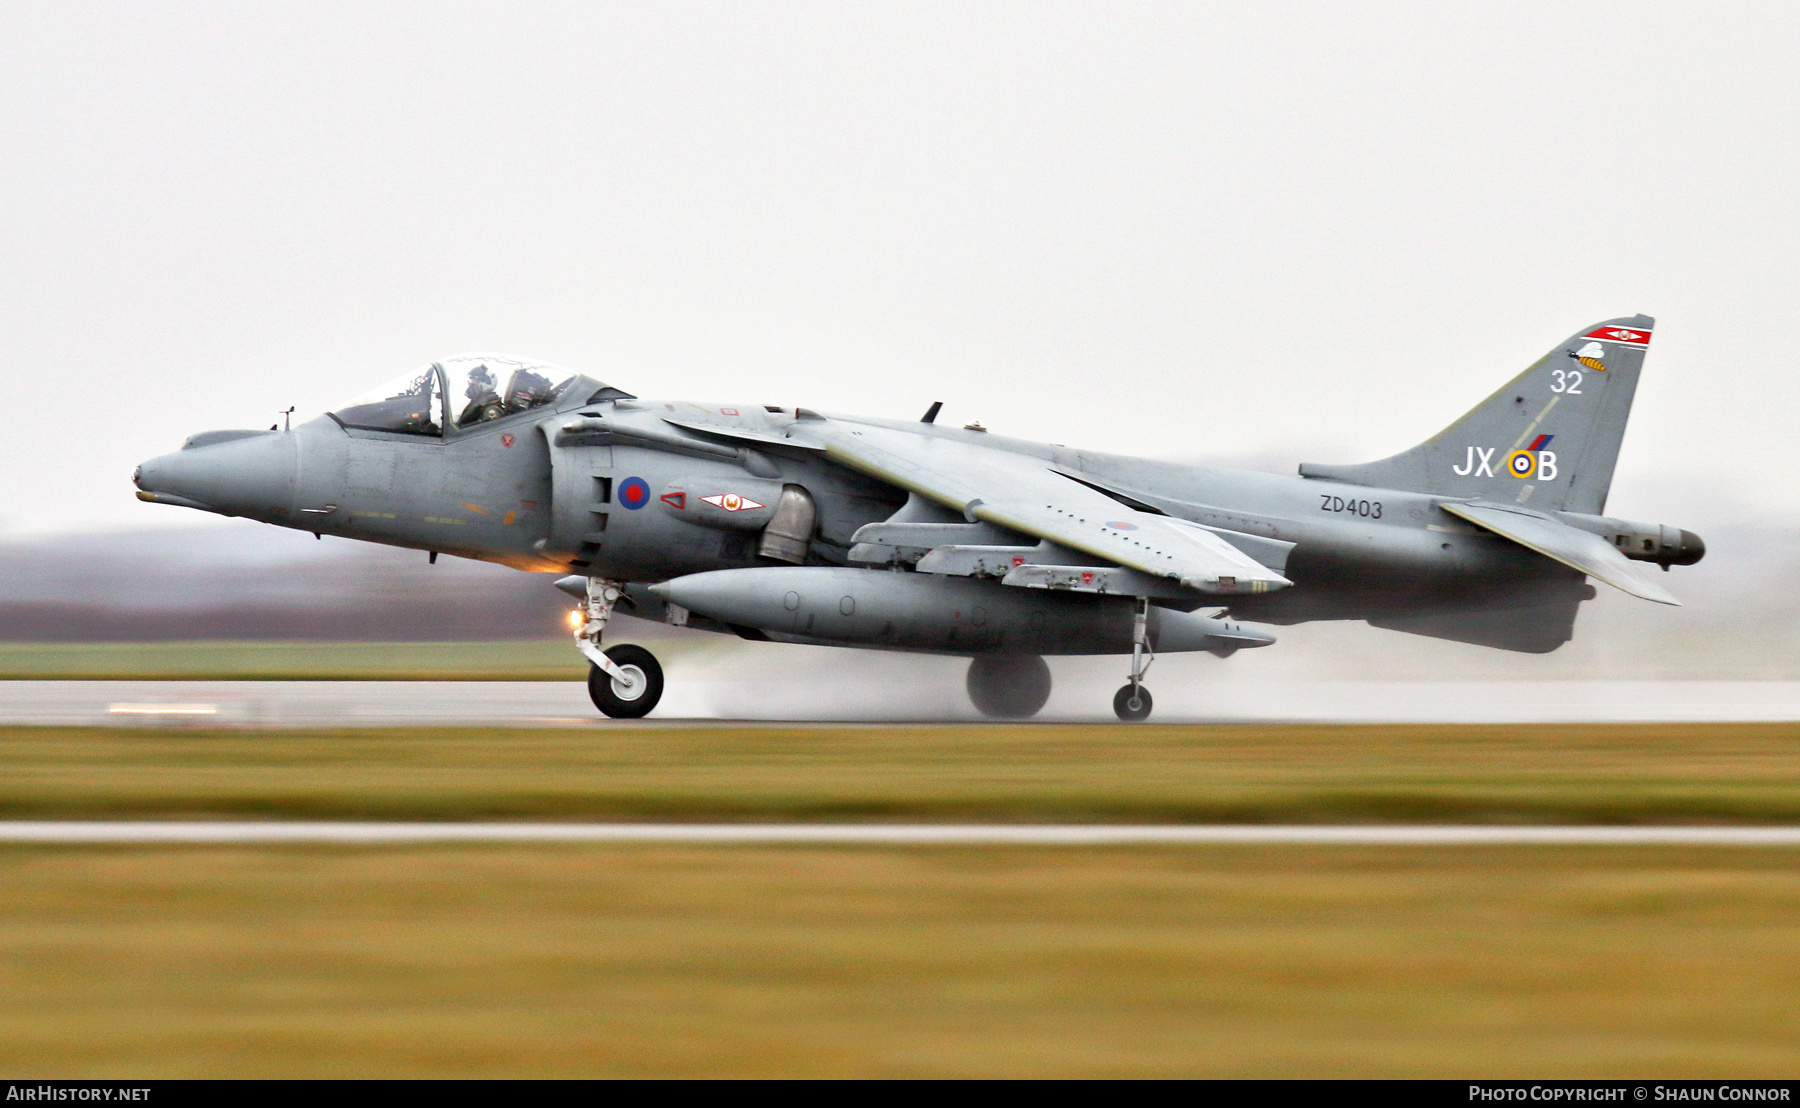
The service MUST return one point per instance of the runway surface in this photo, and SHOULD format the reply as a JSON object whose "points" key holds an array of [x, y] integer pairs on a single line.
{"points": [[535, 703], [886, 834]]}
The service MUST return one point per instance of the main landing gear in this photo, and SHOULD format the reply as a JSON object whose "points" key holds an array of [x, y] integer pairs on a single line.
{"points": [[1016, 686], [1009, 686], [624, 681], [1132, 703]]}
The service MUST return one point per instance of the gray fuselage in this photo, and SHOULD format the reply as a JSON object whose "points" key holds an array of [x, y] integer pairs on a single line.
{"points": [[627, 503]]}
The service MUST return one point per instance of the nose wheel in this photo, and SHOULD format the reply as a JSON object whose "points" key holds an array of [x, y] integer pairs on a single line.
{"points": [[1132, 703], [624, 681], [633, 687]]}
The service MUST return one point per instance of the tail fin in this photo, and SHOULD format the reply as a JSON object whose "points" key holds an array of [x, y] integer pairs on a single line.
{"points": [[1548, 439]]}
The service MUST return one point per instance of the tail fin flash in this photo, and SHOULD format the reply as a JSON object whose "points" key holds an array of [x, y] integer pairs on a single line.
{"points": [[1549, 439]]}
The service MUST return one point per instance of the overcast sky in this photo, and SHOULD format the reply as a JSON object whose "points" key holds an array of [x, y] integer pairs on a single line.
{"points": [[1311, 232]]}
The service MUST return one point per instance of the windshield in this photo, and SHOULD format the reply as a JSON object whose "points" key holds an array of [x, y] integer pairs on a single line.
{"points": [[408, 405], [483, 387]]}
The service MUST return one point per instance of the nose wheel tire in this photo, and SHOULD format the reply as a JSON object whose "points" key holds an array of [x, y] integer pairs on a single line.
{"points": [[1132, 703], [634, 696], [1009, 686]]}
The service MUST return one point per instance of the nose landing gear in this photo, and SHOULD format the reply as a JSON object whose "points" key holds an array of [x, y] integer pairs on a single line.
{"points": [[1132, 703], [624, 681], [633, 690]]}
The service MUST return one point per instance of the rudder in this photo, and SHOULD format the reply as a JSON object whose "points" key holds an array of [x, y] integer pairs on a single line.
{"points": [[1549, 438]]}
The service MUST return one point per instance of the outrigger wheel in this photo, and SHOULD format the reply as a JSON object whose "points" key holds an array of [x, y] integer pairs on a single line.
{"points": [[634, 696], [1132, 703]]}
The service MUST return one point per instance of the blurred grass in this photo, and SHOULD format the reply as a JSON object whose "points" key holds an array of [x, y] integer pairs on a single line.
{"points": [[1585, 773], [554, 660], [901, 962], [591, 960]]}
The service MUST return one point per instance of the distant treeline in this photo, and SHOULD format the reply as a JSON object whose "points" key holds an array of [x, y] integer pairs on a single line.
{"points": [[483, 618], [236, 581]]}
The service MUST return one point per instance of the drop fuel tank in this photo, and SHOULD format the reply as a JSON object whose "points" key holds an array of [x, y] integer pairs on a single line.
{"points": [[929, 612]]}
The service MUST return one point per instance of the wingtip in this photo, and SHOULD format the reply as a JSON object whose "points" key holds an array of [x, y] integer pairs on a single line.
{"points": [[1645, 590]]}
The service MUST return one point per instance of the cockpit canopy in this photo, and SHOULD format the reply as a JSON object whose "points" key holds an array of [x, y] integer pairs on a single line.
{"points": [[460, 392]]}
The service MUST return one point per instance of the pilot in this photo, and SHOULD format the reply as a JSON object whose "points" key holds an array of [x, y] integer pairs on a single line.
{"points": [[484, 398], [528, 390]]}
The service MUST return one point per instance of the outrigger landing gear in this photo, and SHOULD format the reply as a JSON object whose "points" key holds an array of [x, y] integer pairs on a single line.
{"points": [[625, 681], [1132, 703]]}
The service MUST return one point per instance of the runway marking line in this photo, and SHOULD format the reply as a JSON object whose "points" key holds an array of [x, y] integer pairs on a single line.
{"points": [[162, 709], [72, 831]]}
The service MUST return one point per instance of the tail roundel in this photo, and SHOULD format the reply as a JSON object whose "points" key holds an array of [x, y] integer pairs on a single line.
{"points": [[1549, 438]]}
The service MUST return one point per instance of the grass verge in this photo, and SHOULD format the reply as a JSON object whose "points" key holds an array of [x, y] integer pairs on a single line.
{"points": [[940, 962], [555, 660], [1603, 773]]}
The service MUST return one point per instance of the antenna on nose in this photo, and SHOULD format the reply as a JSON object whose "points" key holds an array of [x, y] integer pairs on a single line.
{"points": [[287, 419]]}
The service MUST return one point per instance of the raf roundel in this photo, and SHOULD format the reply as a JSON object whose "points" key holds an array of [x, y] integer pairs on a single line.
{"points": [[1119, 526], [634, 493], [1534, 460]]}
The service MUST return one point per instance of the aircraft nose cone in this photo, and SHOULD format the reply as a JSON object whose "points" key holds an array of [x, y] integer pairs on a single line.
{"points": [[251, 475], [158, 478]]}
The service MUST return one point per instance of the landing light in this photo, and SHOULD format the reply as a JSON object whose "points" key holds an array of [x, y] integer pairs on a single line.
{"points": [[575, 619]]}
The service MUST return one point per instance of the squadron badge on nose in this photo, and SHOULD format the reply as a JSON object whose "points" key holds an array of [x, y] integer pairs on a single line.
{"points": [[731, 502]]}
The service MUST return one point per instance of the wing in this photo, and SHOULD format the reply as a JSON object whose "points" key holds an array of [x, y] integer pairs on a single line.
{"points": [[1571, 546], [1023, 493]]}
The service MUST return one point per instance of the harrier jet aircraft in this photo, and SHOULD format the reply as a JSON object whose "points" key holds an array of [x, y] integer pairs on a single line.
{"points": [[794, 526]]}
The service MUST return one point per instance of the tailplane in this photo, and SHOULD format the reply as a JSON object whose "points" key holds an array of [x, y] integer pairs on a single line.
{"points": [[1548, 439]]}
